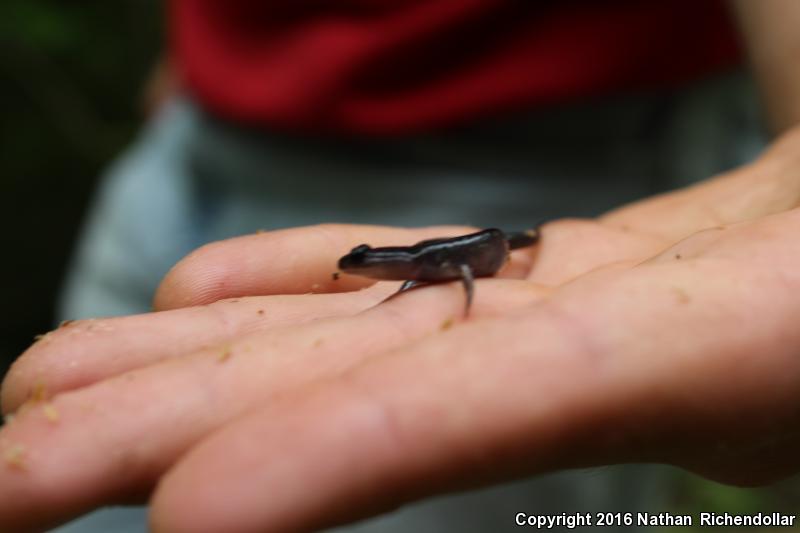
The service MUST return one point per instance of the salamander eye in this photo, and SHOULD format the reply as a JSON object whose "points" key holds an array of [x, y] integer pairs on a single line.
{"points": [[361, 248], [356, 258]]}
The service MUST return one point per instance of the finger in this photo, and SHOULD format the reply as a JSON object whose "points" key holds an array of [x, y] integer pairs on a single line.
{"points": [[767, 186], [114, 438], [84, 352], [562, 384], [339, 451], [291, 261], [572, 247]]}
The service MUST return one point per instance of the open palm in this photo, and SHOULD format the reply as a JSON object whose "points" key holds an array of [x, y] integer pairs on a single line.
{"points": [[662, 332]]}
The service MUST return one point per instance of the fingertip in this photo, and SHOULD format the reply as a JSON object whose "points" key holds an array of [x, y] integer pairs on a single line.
{"points": [[8, 393], [168, 514], [198, 278], [20, 382], [47, 468]]}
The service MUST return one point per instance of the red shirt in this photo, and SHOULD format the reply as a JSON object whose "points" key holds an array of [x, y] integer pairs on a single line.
{"points": [[399, 66]]}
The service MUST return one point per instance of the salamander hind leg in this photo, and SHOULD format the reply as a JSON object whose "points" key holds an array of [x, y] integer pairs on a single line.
{"points": [[406, 286], [469, 286]]}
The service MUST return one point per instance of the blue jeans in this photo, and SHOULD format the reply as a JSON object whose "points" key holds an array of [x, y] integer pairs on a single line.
{"points": [[191, 179]]}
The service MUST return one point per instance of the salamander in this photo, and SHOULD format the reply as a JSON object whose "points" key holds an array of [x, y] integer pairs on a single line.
{"points": [[462, 258]]}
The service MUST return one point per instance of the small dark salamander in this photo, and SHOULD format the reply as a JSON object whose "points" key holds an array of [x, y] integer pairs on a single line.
{"points": [[466, 257]]}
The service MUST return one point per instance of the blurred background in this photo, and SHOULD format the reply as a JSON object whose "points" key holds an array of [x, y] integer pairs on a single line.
{"points": [[71, 98]]}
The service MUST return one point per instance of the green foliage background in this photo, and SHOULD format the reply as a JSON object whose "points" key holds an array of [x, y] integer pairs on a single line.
{"points": [[71, 76]]}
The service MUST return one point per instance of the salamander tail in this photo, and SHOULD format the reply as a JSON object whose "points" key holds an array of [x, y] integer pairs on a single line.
{"points": [[521, 239]]}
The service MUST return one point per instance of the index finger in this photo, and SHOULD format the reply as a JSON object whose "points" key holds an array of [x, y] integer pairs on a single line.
{"points": [[290, 261]]}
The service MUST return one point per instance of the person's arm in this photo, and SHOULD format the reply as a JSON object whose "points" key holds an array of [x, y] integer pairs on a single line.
{"points": [[771, 34]]}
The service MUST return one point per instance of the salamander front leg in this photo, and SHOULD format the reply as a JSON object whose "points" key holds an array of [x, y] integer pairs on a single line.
{"points": [[469, 286], [408, 284]]}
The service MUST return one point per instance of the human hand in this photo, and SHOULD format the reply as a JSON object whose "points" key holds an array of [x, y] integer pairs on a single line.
{"points": [[617, 345]]}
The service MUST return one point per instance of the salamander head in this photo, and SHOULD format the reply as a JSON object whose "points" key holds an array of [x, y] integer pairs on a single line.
{"points": [[378, 263], [356, 259]]}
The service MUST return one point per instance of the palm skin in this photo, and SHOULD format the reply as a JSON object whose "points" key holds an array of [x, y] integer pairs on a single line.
{"points": [[662, 332]]}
